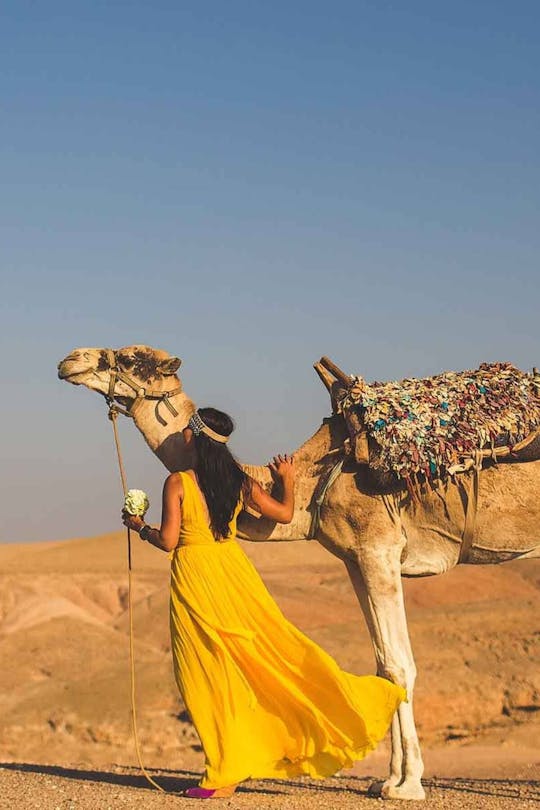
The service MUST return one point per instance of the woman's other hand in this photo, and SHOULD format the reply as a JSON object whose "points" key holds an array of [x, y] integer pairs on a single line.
{"points": [[133, 522], [282, 466]]}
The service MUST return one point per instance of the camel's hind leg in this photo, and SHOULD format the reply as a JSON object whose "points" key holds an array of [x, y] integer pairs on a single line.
{"points": [[377, 583]]}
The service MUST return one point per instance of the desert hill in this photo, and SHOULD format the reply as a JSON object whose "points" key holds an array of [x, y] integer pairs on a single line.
{"points": [[64, 681]]}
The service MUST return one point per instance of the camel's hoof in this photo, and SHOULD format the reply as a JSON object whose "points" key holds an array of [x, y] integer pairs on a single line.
{"points": [[407, 791]]}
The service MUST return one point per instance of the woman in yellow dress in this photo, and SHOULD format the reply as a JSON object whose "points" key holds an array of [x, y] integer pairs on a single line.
{"points": [[266, 701]]}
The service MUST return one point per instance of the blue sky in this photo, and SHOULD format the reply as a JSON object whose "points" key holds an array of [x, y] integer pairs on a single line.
{"points": [[250, 186]]}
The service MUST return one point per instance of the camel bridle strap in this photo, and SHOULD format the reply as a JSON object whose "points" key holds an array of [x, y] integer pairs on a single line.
{"points": [[141, 392]]}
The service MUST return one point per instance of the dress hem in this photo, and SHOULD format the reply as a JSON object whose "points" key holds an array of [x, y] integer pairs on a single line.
{"points": [[284, 768]]}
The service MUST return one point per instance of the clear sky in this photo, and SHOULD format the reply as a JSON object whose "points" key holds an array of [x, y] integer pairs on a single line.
{"points": [[251, 185]]}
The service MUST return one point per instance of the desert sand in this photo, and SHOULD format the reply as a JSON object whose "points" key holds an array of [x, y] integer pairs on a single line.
{"points": [[65, 735]]}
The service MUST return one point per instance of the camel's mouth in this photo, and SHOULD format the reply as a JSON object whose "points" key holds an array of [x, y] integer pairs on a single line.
{"points": [[71, 367]]}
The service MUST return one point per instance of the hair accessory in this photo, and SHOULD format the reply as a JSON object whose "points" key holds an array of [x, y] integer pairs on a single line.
{"points": [[198, 426]]}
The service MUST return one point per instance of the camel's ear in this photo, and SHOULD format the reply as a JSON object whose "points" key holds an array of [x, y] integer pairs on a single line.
{"points": [[170, 365]]}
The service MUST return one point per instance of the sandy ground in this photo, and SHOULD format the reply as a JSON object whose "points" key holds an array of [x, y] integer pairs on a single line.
{"points": [[77, 788], [64, 680]]}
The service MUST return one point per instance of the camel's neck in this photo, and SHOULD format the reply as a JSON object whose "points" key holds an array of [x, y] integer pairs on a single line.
{"points": [[163, 433], [311, 460], [162, 430]]}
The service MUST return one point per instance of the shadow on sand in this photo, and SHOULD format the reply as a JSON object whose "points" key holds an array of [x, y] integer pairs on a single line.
{"points": [[500, 788], [171, 781], [178, 780]]}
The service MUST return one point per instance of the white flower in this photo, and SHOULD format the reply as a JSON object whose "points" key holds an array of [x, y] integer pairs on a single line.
{"points": [[136, 502]]}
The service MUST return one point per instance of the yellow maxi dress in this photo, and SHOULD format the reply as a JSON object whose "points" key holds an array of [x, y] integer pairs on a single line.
{"points": [[266, 701]]}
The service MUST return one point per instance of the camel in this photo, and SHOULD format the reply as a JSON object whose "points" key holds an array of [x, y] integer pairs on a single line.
{"points": [[380, 536]]}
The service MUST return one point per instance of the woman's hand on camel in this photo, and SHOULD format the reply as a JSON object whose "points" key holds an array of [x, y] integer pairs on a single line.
{"points": [[283, 466], [134, 522]]}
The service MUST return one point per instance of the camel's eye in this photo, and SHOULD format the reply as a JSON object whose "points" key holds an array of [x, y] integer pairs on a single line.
{"points": [[103, 362], [126, 361]]}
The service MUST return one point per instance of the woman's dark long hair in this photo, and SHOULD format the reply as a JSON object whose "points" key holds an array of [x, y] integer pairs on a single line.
{"points": [[219, 474]]}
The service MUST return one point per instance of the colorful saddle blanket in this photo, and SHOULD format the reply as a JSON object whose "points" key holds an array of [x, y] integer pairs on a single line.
{"points": [[428, 427]]}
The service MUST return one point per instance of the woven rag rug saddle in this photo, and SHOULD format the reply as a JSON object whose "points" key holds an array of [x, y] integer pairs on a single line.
{"points": [[427, 429]]}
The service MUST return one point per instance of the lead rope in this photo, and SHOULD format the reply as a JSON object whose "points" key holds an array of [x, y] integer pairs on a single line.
{"points": [[113, 415]]}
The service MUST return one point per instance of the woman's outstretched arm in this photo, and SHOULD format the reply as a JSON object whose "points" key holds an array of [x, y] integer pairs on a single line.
{"points": [[166, 537], [281, 511]]}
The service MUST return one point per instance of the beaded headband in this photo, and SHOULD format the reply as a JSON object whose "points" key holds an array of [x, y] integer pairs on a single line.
{"points": [[198, 426]]}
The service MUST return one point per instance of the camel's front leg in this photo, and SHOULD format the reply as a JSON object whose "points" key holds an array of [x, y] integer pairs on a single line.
{"points": [[377, 582]]}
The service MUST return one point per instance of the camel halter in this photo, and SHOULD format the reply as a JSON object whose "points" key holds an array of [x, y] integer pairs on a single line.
{"points": [[141, 392]]}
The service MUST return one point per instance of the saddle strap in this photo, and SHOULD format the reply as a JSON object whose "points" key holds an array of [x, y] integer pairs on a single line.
{"points": [[321, 495], [471, 511]]}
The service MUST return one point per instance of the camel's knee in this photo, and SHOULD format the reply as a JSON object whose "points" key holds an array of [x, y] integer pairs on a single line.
{"points": [[403, 675], [393, 672]]}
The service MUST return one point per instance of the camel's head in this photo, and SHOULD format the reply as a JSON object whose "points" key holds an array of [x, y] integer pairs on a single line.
{"points": [[143, 384], [146, 367]]}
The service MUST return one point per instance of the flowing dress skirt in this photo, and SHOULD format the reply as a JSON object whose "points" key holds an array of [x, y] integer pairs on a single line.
{"points": [[265, 700]]}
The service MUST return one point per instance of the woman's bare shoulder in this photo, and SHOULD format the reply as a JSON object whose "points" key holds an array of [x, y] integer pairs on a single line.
{"points": [[174, 484]]}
